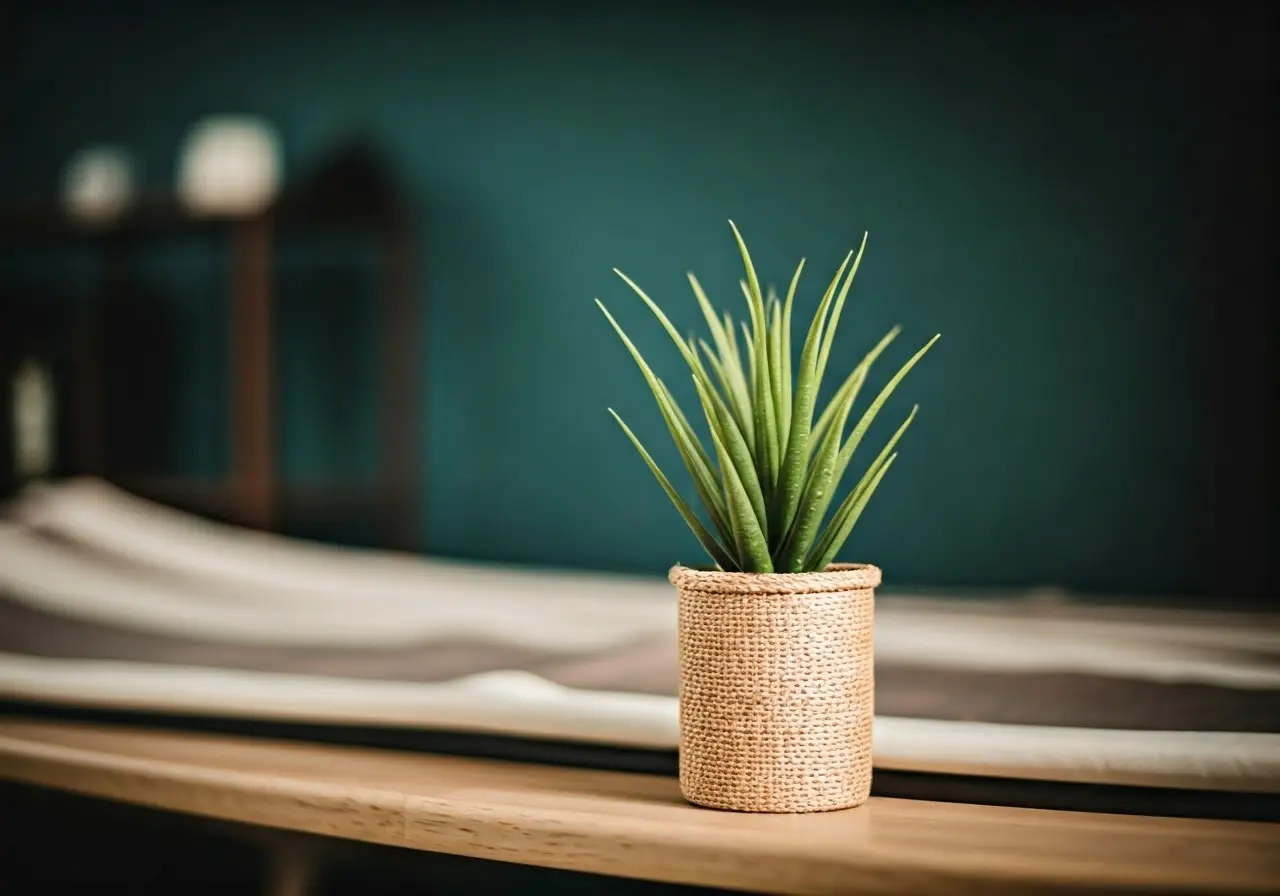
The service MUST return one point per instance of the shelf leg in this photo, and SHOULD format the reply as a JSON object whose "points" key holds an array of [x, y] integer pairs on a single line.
{"points": [[251, 376]]}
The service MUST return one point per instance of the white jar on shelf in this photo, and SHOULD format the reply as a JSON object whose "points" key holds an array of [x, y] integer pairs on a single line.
{"points": [[230, 165], [97, 184]]}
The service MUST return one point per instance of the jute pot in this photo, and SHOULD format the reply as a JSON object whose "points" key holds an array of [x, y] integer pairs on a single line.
{"points": [[776, 688]]}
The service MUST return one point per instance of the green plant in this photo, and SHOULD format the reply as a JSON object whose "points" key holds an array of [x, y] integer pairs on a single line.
{"points": [[775, 471]]}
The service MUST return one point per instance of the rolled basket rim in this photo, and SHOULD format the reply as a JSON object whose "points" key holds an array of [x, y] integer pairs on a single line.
{"points": [[836, 577]]}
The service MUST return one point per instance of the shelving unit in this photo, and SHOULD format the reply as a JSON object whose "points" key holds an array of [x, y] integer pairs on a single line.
{"points": [[352, 194]]}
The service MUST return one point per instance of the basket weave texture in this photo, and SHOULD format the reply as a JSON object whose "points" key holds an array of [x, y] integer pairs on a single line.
{"points": [[777, 688]]}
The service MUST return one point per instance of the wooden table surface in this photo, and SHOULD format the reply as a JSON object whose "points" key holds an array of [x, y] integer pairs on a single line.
{"points": [[636, 825]]}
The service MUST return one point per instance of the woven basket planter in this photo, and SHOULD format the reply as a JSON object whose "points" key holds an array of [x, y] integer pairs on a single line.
{"points": [[776, 688]]}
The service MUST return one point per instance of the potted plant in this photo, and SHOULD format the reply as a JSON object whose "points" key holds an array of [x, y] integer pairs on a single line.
{"points": [[776, 652]]}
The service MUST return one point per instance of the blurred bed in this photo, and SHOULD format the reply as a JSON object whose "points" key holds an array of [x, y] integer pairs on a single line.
{"points": [[115, 607]]}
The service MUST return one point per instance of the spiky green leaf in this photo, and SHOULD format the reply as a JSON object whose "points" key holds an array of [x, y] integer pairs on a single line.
{"points": [[691, 451], [696, 461], [739, 408], [723, 337], [853, 383], [786, 358], [869, 416], [781, 425], [829, 332], [845, 518], [791, 476], [752, 547], [705, 538], [819, 486], [736, 444]]}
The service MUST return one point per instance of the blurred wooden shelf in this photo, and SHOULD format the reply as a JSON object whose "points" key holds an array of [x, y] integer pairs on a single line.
{"points": [[637, 826], [351, 191], [318, 501]]}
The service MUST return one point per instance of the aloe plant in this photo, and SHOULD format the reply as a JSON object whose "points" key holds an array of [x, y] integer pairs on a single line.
{"points": [[768, 482]]}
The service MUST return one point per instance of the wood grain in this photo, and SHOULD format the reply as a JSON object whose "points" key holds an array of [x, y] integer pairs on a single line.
{"points": [[635, 825]]}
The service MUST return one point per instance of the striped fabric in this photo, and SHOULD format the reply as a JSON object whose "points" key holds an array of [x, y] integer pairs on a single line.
{"points": [[113, 602]]}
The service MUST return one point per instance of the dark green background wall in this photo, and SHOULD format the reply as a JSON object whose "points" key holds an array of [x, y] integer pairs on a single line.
{"points": [[1032, 183]]}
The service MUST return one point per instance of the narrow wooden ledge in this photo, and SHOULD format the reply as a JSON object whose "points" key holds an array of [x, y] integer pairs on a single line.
{"points": [[636, 825]]}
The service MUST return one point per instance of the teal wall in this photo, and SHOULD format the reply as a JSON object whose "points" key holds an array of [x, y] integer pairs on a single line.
{"points": [[1029, 189]]}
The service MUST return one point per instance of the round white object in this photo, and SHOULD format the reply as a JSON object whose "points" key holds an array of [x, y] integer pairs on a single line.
{"points": [[97, 184], [229, 166]]}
